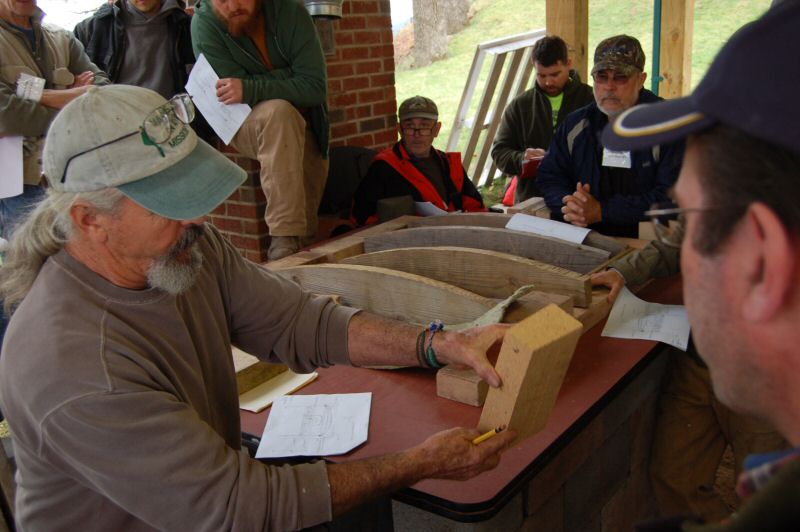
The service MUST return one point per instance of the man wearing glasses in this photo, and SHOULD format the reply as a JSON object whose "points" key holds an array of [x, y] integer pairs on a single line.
{"points": [[116, 374], [414, 171], [585, 183], [738, 196]]}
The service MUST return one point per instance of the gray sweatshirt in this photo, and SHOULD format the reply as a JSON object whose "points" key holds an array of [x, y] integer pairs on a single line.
{"points": [[123, 403]]}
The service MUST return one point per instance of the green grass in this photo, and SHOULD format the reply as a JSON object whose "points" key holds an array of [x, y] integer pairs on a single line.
{"points": [[444, 80]]}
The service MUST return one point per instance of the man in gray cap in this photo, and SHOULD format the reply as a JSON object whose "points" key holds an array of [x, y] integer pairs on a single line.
{"points": [[738, 195], [116, 375], [586, 184], [414, 171]]}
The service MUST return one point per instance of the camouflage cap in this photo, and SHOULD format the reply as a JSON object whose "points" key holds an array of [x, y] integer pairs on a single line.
{"points": [[418, 107], [621, 53]]}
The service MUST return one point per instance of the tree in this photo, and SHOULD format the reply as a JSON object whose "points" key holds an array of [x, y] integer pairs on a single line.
{"points": [[430, 31], [457, 13]]}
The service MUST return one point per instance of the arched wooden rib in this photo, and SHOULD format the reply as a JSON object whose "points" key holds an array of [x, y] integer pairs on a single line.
{"points": [[487, 273], [578, 258], [499, 220], [391, 293]]}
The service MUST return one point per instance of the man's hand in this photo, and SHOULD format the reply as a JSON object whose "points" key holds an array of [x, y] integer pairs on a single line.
{"points": [[611, 279], [581, 208], [533, 153], [230, 90], [468, 348], [452, 455], [84, 79]]}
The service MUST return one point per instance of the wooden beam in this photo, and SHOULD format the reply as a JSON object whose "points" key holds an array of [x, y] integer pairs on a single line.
{"points": [[578, 258], [499, 220], [487, 273], [569, 19], [677, 25], [250, 371], [393, 294], [532, 363]]}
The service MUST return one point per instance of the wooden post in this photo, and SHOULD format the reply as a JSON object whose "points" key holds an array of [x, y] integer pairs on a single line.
{"points": [[569, 19], [677, 24]]}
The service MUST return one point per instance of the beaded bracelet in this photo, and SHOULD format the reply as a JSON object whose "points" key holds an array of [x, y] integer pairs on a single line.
{"points": [[430, 353]]}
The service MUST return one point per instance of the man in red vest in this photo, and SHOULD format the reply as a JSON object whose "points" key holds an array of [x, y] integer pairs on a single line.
{"points": [[414, 170]]}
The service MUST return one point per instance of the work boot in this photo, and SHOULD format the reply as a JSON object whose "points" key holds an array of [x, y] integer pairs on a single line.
{"points": [[282, 246]]}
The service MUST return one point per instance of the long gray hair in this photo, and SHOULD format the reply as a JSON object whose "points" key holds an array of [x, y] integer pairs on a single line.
{"points": [[43, 233]]}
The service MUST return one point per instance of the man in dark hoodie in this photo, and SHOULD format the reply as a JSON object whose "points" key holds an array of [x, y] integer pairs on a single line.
{"points": [[586, 184], [528, 122], [140, 42]]}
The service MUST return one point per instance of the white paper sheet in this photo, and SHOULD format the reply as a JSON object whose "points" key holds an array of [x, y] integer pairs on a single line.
{"points": [[545, 227], [11, 155], [202, 86], [315, 425], [264, 394], [632, 317], [426, 208]]}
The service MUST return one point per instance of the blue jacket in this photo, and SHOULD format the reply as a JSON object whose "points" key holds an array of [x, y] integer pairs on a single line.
{"points": [[576, 153]]}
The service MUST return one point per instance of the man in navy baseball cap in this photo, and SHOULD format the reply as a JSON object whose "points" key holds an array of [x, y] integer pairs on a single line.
{"points": [[738, 196]]}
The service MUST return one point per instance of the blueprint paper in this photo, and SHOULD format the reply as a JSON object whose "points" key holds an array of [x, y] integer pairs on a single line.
{"points": [[632, 317], [315, 425], [545, 227], [11, 155], [202, 86]]}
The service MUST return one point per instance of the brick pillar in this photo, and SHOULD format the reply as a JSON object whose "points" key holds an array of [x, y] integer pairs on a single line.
{"points": [[362, 109]]}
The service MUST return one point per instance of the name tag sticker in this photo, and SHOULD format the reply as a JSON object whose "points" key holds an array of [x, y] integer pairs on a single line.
{"points": [[30, 87], [616, 159]]}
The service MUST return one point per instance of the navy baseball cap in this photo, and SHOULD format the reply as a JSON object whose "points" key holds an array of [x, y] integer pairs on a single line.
{"points": [[751, 86]]}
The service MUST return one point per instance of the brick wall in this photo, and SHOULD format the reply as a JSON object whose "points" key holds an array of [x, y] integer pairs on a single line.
{"points": [[362, 105]]}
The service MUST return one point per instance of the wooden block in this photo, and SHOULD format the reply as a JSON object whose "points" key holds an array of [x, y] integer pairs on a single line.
{"points": [[533, 361], [578, 258], [529, 206], [462, 385], [250, 371]]}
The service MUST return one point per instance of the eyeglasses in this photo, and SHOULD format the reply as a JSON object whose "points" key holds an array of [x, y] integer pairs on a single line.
{"points": [[669, 221], [421, 131], [602, 78], [156, 129]]}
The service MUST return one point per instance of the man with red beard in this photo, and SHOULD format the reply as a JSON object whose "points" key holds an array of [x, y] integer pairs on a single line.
{"points": [[267, 54]]}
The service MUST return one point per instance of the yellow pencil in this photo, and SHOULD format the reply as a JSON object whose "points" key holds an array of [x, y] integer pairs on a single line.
{"points": [[485, 436]]}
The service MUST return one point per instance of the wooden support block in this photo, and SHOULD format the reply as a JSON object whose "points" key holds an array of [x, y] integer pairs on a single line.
{"points": [[462, 385], [250, 371], [529, 206], [533, 302], [533, 361]]}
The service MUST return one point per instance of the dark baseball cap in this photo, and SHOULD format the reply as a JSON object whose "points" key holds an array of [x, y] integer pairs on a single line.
{"points": [[621, 53], [751, 86], [418, 107]]}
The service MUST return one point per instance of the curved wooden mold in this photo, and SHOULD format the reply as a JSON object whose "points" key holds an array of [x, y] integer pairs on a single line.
{"points": [[391, 293], [578, 258], [487, 273], [499, 221]]}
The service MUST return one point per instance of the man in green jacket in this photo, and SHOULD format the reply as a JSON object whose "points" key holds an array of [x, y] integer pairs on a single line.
{"points": [[529, 120], [267, 54]]}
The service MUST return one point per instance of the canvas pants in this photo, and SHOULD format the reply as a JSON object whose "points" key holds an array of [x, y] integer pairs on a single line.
{"points": [[692, 432], [293, 170]]}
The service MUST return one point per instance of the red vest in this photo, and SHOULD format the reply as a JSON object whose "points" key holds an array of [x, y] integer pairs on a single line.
{"points": [[426, 189]]}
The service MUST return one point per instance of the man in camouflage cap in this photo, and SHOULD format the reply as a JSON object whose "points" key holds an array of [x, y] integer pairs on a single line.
{"points": [[587, 185]]}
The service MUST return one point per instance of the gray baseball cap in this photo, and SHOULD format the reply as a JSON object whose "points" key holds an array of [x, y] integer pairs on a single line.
{"points": [[97, 142]]}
